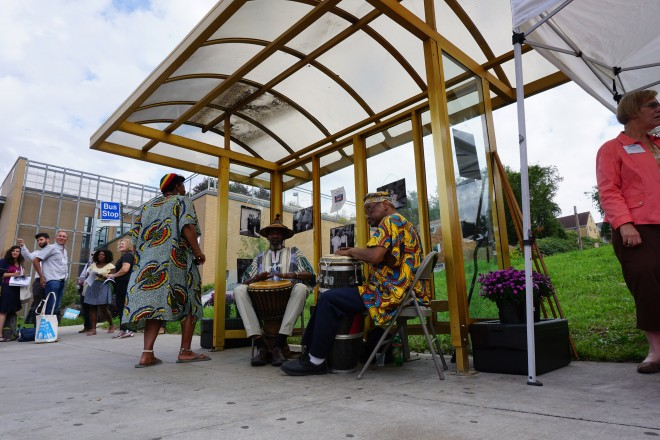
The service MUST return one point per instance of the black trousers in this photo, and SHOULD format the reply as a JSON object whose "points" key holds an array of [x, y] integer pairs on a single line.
{"points": [[331, 307]]}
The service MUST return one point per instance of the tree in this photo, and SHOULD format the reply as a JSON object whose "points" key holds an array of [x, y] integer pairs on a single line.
{"points": [[606, 228], [238, 188], [543, 186], [261, 193], [203, 185]]}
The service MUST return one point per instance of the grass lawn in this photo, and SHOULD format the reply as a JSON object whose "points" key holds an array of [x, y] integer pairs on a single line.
{"points": [[591, 292]]}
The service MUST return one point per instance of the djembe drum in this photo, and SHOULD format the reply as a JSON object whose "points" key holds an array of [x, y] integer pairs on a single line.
{"points": [[269, 299], [337, 271]]}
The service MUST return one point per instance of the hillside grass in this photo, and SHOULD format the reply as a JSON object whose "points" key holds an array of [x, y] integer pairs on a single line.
{"points": [[591, 292]]}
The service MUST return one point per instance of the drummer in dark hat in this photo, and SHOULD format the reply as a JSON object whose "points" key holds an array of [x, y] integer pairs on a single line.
{"points": [[278, 262]]}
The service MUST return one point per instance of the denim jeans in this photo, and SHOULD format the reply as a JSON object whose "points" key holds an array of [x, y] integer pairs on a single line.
{"points": [[56, 286]]}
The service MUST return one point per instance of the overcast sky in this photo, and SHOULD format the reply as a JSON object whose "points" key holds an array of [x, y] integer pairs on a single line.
{"points": [[65, 66]]}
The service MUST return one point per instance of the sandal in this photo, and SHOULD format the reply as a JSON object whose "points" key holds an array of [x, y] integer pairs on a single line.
{"points": [[111, 329], [127, 334], [91, 333], [155, 361], [4, 340], [119, 335], [199, 357]]}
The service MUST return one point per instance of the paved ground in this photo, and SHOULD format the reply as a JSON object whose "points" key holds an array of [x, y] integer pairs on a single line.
{"points": [[86, 387]]}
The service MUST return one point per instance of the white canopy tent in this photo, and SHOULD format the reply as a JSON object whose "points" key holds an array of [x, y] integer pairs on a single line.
{"points": [[607, 47]]}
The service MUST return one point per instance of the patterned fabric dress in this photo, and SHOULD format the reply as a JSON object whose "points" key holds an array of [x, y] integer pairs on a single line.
{"points": [[165, 283], [387, 284]]}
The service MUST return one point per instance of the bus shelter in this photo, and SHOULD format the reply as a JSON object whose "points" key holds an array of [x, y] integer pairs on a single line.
{"points": [[303, 97]]}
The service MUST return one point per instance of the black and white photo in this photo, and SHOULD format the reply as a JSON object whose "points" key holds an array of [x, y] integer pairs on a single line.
{"points": [[250, 221], [398, 192]]}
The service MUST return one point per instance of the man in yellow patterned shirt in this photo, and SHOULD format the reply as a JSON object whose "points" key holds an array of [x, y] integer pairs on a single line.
{"points": [[394, 253]]}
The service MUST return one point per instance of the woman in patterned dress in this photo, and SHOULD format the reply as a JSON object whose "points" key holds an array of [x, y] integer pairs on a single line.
{"points": [[165, 285], [98, 295]]}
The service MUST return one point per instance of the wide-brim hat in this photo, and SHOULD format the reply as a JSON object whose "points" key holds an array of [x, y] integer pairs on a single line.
{"points": [[277, 225]]}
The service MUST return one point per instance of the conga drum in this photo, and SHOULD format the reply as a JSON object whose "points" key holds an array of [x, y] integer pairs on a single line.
{"points": [[269, 299], [337, 271], [346, 349]]}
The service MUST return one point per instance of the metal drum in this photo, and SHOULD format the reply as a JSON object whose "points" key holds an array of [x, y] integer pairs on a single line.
{"points": [[346, 349], [336, 271], [269, 299]]}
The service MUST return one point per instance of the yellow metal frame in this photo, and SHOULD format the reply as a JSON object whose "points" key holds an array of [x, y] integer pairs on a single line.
{"points": [[431, 96]]}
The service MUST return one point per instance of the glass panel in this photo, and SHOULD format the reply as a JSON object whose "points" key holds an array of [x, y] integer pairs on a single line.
{"points": [[391, 167], [297, 202], [469, 147], [339, 229]]}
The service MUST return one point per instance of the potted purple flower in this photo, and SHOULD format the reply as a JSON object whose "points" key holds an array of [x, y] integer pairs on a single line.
{"points": [[506, 287]]}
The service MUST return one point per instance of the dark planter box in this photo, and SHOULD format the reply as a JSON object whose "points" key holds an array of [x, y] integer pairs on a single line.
{"points": [[502, 348], [206, 338]]}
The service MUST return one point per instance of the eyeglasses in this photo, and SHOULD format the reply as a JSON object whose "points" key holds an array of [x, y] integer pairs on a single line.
{"points": [[370, 207], [652, 105]]}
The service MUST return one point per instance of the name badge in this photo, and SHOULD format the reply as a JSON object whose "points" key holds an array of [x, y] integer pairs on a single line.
{"points": [[634, 149]]}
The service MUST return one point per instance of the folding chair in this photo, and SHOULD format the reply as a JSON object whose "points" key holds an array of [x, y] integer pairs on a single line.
{"points": [[411, 309]]}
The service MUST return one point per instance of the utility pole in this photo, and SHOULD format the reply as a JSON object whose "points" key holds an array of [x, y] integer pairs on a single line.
{"points": [[577, 226]]}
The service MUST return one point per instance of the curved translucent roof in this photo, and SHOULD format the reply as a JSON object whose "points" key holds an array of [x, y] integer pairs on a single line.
{"points": [[266, 82]]}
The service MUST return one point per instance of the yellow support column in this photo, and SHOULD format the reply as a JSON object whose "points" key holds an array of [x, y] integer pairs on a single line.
{"points": [[276, 195], [219, 333], [451, 231], [495, 182], [316, 207], [360, 172], [420, 174]]}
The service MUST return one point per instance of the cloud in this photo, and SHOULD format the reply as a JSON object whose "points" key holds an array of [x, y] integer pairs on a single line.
{"points": [[66, 66]]}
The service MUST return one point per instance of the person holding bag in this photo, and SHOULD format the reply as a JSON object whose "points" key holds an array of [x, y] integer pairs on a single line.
{"points": [[99, 292], [10, 296]]}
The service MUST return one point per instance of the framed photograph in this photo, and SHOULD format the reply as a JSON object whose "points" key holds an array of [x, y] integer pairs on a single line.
{"points": [[250, 221], [303, 220], [241, 266], [398, 192], [342, 236]]}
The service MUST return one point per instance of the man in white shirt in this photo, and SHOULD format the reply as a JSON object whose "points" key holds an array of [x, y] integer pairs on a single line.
{"points": [[43, 240], [53, 267]]}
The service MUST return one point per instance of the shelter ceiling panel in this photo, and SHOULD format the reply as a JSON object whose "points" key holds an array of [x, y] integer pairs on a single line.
{"points": [[283, 121], [218, 58], [328, 102], [185, 155], [271, 67], [318, 33], [337, 160], [262, 19], [357, 8], [159, 113], [406, 44], [126, 139], [371, 71], [492, 19], [182, 90]]}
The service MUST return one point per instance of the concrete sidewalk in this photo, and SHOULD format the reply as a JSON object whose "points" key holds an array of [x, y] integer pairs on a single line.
{"points": [[86, 387]]}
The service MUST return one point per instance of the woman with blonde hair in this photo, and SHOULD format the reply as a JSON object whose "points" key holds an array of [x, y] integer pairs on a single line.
{"points": [[122, 275], [628, 173]]}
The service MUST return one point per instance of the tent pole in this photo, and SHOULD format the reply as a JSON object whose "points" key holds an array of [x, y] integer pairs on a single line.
{"points": [[524, 185]]}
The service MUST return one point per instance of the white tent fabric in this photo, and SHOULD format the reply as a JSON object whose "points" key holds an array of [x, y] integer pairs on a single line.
{"points": [[607, 34]]}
